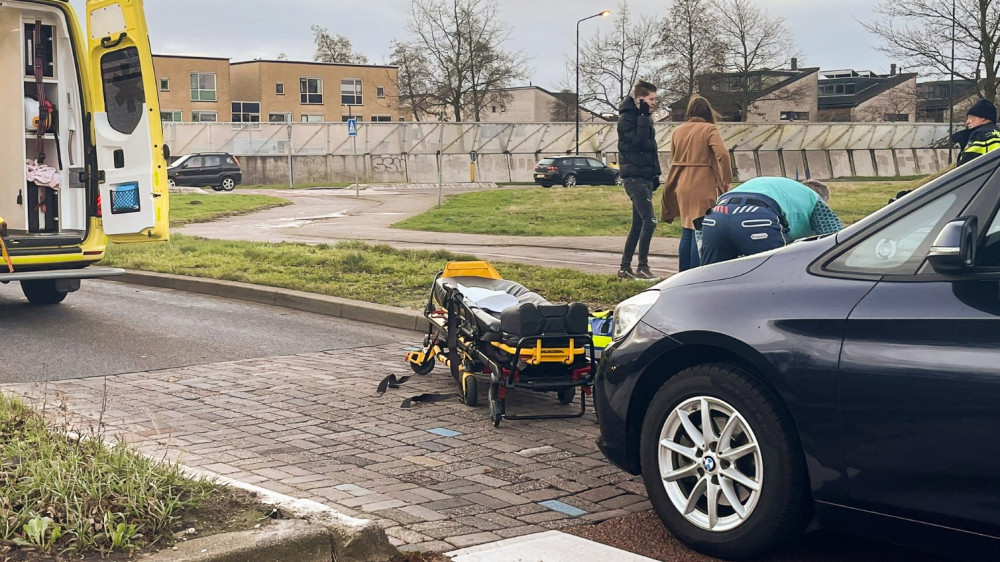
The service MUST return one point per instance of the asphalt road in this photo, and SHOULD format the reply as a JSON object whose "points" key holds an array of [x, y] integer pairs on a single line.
{"points": [[110, 328]]}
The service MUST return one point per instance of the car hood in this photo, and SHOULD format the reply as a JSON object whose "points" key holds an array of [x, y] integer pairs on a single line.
{"points": [[718, 271]]}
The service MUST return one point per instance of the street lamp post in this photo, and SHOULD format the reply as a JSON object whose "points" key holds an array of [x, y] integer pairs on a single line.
{"points": [[576, 109], [951, 86]]}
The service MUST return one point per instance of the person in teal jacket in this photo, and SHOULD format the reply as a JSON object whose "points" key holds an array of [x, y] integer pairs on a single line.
{"points": [[765, 213]]}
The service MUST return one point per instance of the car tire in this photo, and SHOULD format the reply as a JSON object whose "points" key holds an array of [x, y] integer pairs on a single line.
{"points": [[619, 180], [747, 419], [42, 291], [569, 180], [171, 182], [546, 184], [227, 184]]}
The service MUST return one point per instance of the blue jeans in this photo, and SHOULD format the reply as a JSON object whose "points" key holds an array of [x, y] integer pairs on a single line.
{"points": [[742, 225], [640, 191], [688, 252]]}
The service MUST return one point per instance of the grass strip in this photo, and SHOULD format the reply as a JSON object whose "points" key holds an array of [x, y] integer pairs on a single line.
{"points": [[59, 495], [352, 269], [594, 210], [186, 208]]}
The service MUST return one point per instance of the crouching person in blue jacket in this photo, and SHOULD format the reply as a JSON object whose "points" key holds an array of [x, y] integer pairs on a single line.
{"points": [[765, 213]]}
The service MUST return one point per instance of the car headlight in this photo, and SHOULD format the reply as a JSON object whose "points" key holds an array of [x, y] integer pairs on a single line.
{"points": [[631, 310]]}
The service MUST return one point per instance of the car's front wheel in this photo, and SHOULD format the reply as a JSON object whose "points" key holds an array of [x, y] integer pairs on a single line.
{"points": [[569, 180], [722, 463], [171, 182], [619, 180]]}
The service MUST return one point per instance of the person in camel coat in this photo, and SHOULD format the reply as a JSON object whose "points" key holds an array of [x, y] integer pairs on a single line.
{"points": [[700, 171]]}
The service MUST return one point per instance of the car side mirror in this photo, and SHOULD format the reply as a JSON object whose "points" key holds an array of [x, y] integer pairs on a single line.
{"points": [[954, 249]]}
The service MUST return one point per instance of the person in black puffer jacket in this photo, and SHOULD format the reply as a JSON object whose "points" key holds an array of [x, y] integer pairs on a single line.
{"points": [[640, 171]]}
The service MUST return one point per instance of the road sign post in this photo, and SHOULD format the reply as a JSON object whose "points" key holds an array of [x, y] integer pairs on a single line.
{"points": [[352, 131]]}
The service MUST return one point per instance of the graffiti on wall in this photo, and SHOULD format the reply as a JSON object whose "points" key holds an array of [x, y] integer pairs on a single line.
{"points": [[388, 164]]}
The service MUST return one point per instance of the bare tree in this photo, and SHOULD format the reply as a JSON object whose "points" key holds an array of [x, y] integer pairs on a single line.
{"points": [[689, 42], [334, 48], [463, 41], [611, 62], [562, 107], [918, 33], [752, 40], [891, 105], [413, 79]]}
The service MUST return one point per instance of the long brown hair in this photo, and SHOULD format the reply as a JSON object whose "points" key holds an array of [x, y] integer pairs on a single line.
{"points": [[699, 107]]}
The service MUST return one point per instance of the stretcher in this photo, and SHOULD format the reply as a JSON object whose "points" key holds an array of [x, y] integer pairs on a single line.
{"points": [[482, 324]]}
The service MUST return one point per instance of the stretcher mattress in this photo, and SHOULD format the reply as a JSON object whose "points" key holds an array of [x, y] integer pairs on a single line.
{"points": [[523, 312]]}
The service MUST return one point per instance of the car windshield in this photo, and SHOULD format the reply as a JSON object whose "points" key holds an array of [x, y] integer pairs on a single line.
{"points": [[181, 160]]}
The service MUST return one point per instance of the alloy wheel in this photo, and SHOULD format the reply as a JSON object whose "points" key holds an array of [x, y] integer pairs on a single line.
{"points": [[710, 463]]}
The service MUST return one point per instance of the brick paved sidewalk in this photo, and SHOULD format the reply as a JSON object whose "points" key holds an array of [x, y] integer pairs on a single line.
{"points": [[436, 477]]}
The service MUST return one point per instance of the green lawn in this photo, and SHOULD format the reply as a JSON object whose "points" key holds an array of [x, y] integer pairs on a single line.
{"points": [[194, 207], [294, 185], [589, 211]]}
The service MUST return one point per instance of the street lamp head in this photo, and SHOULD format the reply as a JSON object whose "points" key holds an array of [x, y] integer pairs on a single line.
{"points": [[605, 13]]}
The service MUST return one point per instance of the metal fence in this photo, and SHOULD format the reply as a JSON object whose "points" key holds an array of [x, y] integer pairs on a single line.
{"points": [[423, 152]]}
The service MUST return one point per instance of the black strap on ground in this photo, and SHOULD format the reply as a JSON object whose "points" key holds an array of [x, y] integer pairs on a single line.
{"points": [[427, 397], [392, 381], [389, 382]]}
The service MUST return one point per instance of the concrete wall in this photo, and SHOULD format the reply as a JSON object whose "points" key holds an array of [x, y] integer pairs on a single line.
{"points": [[418, 152]]}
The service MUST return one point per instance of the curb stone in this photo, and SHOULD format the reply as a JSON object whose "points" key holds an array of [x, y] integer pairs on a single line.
{"points": [[318, 532], [382, 315], [288, 539]]}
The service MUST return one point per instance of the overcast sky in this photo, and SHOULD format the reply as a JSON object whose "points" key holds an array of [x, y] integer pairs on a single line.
{"points": [[826, 32]]}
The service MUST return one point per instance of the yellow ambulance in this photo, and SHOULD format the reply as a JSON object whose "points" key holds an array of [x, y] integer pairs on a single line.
{"points": [[85, 161]]}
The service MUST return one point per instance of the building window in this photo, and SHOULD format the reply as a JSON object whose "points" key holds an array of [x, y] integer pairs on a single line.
{"points": [[202, 87], [312, 118], [246, 112], [279, 117], [311, 90], [204, 116], [350, 91], [279, 88], [171, 116], [380, 92], [794, 116], [164, 84], [897, 117], [381, 118], [344, 118], [494, 109]]}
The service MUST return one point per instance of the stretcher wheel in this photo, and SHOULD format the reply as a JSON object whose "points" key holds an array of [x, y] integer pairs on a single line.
{"points": [[496, 405], [423, 368], [496, 420], [470, 390], [567, 395]]}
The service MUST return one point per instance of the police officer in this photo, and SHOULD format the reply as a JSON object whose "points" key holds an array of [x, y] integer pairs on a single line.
{"points": [[981, 134], [765, 213]]}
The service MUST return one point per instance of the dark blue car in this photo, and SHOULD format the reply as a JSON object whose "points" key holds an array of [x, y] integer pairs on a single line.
{"points": [[850, 381]]}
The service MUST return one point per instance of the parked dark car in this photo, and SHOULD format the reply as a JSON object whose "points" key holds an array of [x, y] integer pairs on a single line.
{"points": [[851, 381], [571, 171], [218, 170]]}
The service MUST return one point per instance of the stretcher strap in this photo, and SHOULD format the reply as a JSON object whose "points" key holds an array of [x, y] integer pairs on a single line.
{"points": [[392, 381]]}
